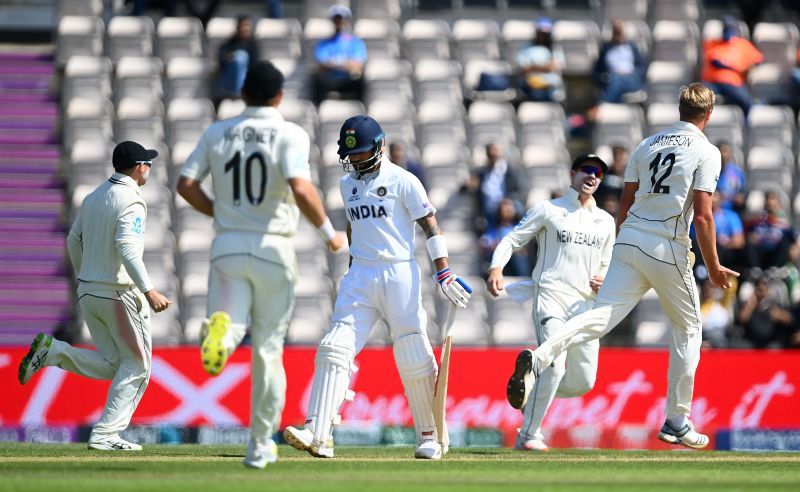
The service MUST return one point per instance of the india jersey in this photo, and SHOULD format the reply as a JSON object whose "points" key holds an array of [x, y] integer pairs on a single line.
{"points": [[575, 243], [383, 211], [669, 166]]}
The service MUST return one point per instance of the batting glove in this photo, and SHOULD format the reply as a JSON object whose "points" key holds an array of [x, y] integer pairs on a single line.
{"points": [[453, 287]]}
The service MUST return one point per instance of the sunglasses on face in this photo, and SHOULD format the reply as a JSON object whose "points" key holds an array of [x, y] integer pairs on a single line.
{"points": [[146, 163], [598, 172]]}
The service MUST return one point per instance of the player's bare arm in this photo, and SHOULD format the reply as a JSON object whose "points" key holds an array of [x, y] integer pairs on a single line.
{"points": [[454, 288], [310, 204], [625, 202], [191, 191], [431, 228], [707, 240]]}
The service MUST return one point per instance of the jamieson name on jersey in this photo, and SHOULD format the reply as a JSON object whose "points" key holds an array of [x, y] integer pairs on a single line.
{"points": [[366, 212], [580, 238]]}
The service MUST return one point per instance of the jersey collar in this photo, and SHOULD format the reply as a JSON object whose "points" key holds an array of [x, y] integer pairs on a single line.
{"points": [[572, 194], [689, 127], [266, 112], [119, 178]]}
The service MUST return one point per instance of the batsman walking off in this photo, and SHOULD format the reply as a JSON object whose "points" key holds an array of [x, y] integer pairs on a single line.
{"points": [[382, 203], [105, 245], [575, 241], [261, 179], [669, 182]]}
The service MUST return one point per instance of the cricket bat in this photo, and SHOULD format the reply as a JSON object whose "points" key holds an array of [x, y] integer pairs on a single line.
{"points": [[440, 389]]}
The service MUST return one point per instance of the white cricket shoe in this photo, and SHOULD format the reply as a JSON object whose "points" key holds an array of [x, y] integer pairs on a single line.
{"points": [[521, 381], [303, 440], [112, 443], [525, 444], [35, 358], [260, 452], [685, 436], [428, 450], [212, 351]]}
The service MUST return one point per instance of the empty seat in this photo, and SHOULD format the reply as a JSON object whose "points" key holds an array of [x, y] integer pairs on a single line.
{"points": [[771, 126], [80, 7], [187, 119], [139, 77], [446, 169], [476, 40], [660, 116], [726, 123], [229, 108], [777, 42], [295, 75], [302, 112], [279, 38], [179, 37], [546, 167], [769, 84], [770, 166], [664, 80], [675, 41], [580, 41], [130, 36], [472, 75], [87, 76], [617, 123], [187, 77], [441, 122], [396, 120], [331, 116], [388, 80], [676, 10], [88, 119], [426, 39], [438, 80], [491, 122], [79, 35], [378, 9], [382, 37], [140, 120], [626, 10], [541, 123]]}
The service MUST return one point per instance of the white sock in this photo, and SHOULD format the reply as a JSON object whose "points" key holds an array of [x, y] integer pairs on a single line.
{"points": [[678, 422]]}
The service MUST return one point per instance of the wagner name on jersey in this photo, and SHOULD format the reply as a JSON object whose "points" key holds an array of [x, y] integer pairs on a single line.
{"points": [[668, 166], [382, 211]]}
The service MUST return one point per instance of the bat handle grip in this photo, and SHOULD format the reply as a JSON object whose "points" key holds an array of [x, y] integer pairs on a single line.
{"points": [[449, 320]]}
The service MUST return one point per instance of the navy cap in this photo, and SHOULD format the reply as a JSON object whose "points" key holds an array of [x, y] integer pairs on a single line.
{"points": [[359, 134], [584, 158], [127, 154]]}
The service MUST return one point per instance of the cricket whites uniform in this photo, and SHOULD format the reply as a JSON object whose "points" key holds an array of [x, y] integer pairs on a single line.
{"points": [[253, 267], [382, 282], [653, 251], [105, 245], [575, 243]]}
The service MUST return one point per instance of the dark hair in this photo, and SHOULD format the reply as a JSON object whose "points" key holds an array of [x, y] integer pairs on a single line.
{"points": [[262, 83]]}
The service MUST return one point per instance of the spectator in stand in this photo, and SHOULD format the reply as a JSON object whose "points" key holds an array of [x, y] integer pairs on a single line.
{"points": [[620, 68], [770, 237], [540, 66], [732, 180], [613, 183], [397, 154], [507, 218], [492, 183], [726, 62], [766, 317], [236, 56], [340, 60], [730, 238], [717, 317]]}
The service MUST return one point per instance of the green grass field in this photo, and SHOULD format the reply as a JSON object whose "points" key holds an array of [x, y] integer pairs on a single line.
{"points": [[194, 468]]}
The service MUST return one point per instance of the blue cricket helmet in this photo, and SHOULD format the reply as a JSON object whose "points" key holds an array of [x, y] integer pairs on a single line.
{"points": [[359, 134]]}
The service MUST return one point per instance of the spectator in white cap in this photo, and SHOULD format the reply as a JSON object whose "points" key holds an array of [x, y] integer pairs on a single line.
{"points": [[340, 60]]}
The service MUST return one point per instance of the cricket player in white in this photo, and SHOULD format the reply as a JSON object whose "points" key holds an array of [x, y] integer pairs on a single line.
{"points": [[261, 181], [575, 241], [670, 179], [105, 245], [382, 203]]}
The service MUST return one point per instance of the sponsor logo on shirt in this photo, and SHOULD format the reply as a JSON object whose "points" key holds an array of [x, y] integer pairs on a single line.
{"points": [[138, 225]]}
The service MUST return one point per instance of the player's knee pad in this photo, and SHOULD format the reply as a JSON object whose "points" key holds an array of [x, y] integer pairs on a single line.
{"points": [[414, 357], [338, 347]]}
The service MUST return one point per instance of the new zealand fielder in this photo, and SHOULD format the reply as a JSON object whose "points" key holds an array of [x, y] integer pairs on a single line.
{"points": [[382, 203], [669, 183], [575, 241]]}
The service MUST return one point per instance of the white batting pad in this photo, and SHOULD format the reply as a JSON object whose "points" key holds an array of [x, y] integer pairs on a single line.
{"points": [[417, 367]]}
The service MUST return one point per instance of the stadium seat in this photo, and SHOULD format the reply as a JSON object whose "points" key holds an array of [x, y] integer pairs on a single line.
{"points": [[331, 116], [382, 37], [140, 120], [179, 37], [476, 40], [87, 76], [771, 126], [664, 80], [438, 80], [541, 123], [426, 39], [396, 120], [187, 119], [770, 166], [302, 112], [778, 42], [472, 75], [580, 41], [676, 10], [295, 74], [88, 118], [130, 36], [446, 170], [618, 123], [712, 29], [188, 77], [675, 41], [378, 9], [769, 84], [278, 38], [388, 79], [512, 324], [661, 116], [139, 77], [229, 108], [546, 167], [726, 123], [79, 35], [517, 34], [440, 122], [80, 7], [491, 122], [320, 8], [626, 10]]}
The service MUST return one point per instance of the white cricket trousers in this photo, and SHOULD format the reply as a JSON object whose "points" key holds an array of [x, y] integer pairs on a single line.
{"points": [[573, 372], [119, 322], [260, 293], [631, 273]]}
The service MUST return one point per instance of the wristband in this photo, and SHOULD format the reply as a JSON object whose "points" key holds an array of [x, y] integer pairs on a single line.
{"points": [[437, 247], [326, 230]]}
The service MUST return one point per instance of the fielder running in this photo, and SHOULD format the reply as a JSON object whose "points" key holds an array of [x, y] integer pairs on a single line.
{"points": [[105, 245], [382, 202], [575, 240], [670, 178], [260, 176]]}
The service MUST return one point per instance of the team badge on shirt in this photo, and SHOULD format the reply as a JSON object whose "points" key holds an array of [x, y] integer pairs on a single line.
{"points": [[382, 191], [138, 225]]}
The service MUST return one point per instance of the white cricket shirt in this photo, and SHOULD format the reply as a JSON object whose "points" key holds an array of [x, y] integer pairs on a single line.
{"points": [[669, 166], [383, 211], [575, 243], [250, 159], [106, 241]]}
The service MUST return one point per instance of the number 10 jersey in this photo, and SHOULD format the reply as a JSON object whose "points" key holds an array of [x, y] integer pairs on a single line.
{"points": [[668, 166]]}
